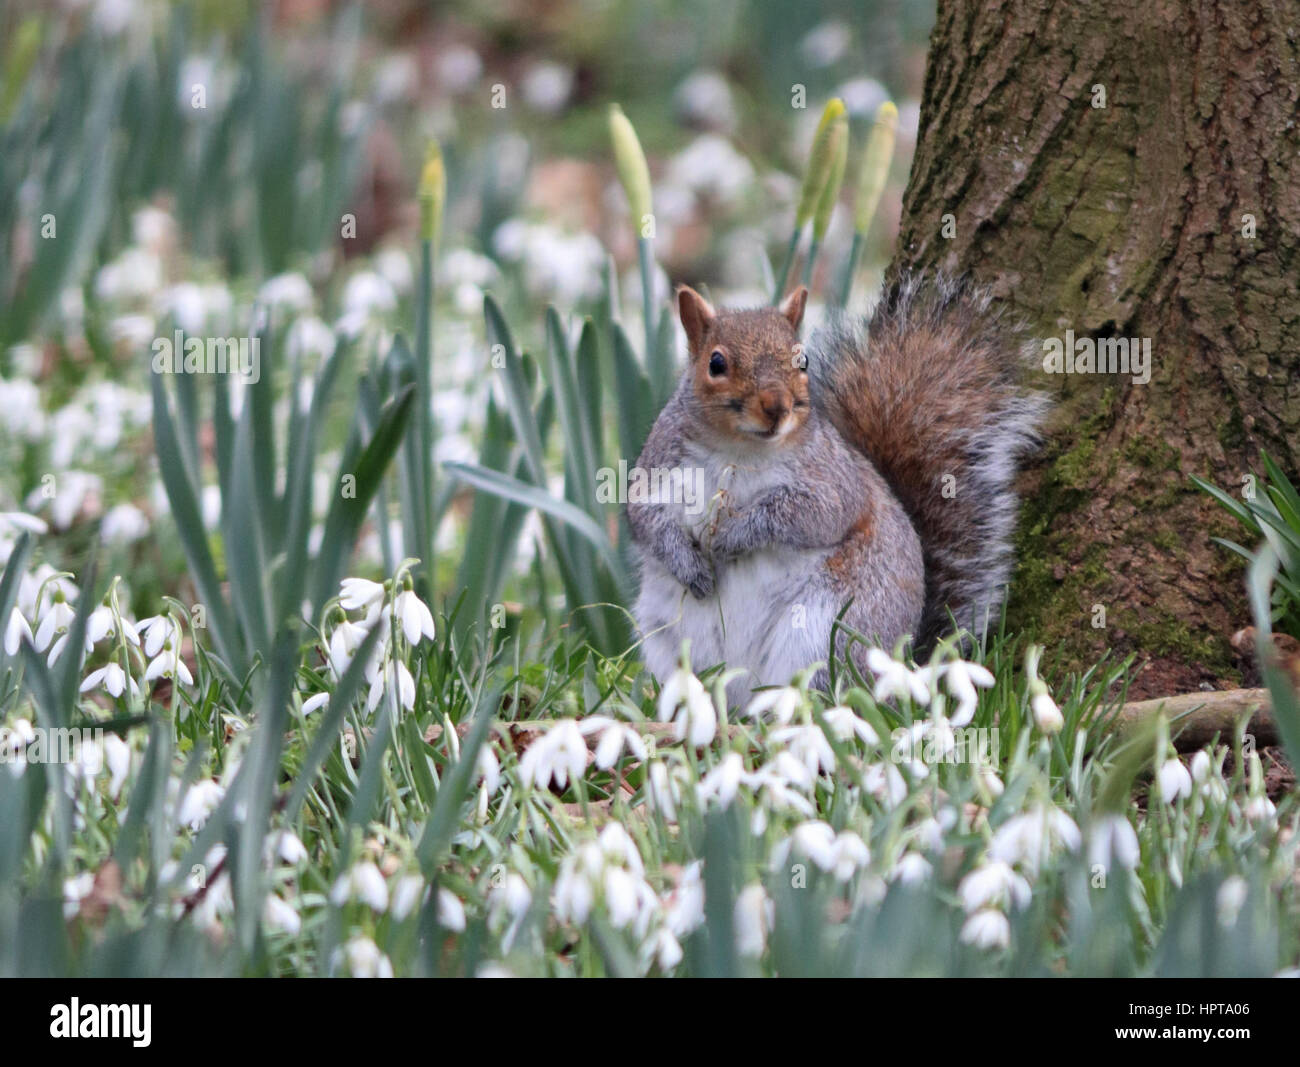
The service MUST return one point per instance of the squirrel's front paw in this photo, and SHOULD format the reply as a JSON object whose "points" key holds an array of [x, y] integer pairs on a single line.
{"points": [[702, 585], [697, 575]]}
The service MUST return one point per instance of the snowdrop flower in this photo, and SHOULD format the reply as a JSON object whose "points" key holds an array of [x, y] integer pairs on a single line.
{"points": [[1113, 839], [20, 520], [156, 631], [356, 594], [56, 620], [989, 783], [723, 782], [846, 724], [615, 844], [993, 885], [664, 949], [885, 782], [345, 639], [704, 99], [112, 678], [417, 620], [547, 86], [363, 882], [911, 869], [489, 769], [842, 854], [366, 295], [363, 959], [200, 800], [117, 754], [1047, 716], [809, 746], [573, 895], [987, 929], [459, 67], [558, 755], [168, 665], [512, 897], [622, 897], [75, 890], [395, 674], [779, 705], [1174, 781], [290, 291], [684, 904], [961, 679], [98, 626], [1032, 836], [893, 679], [405, 898], [123, 524], [15, 630], [287, 846], [309, 339], [1230, 899], [279, 915], [614, 738], [315, 703], [754, 916], [711, 167], [395, 265], [1260, 809], [684, 700], [451, 912], [661, 791]]}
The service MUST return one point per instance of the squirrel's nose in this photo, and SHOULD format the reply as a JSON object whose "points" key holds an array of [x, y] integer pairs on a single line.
{"points": [[775, 404]]}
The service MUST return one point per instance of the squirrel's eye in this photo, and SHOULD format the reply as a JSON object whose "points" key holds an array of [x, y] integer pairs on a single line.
{"points": [[717, 364]]}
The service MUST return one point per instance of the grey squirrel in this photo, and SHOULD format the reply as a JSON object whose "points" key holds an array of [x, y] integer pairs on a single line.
{"points": [[873, 465]]}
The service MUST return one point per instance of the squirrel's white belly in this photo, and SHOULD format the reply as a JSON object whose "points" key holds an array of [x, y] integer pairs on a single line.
{"points": [[771, 615]]}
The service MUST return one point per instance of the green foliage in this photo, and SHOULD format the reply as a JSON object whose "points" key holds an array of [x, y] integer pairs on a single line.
{"points": [[1270, 512]]}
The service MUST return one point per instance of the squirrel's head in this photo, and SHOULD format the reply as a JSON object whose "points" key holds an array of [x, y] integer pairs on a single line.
{"points": [[748, 369]]}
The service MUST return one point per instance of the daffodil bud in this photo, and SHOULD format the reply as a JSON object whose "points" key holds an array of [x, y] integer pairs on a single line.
{"points": [[630, 161], [839, 141], [876, 158], [433, 193], [820, 161]]}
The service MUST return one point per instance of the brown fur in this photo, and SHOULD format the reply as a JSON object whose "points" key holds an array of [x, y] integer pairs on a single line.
{"points": [[934, 389]]}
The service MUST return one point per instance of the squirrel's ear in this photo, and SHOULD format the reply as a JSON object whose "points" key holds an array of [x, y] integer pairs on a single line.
{"points": [[696, 314], [792, 306]]}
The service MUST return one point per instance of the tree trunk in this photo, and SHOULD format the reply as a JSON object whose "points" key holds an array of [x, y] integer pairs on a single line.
{"points": [[1105, 166]]}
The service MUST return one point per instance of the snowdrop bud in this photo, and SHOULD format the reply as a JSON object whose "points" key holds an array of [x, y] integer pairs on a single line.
{"points": [[753, 919], [1047, 716], [1232, 895], [1174, 780], [451, 912], [987, 929]]}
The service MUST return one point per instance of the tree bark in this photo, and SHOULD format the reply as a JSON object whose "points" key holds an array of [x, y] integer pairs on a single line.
{"points": [[1132, 219]]}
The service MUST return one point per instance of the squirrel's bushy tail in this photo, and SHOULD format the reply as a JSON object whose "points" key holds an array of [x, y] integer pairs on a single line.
{"points": [[931, 391]]}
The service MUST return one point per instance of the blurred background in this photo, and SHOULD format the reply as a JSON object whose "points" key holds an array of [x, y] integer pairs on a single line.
{"points": [[176, 165]]}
